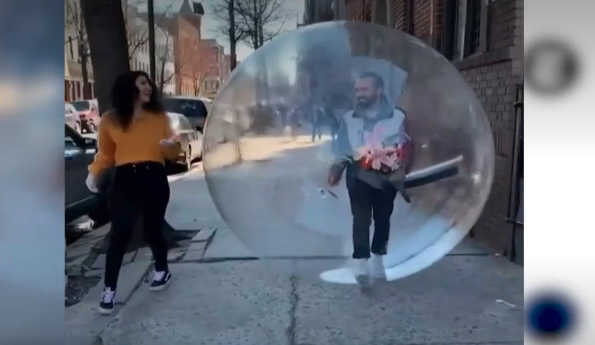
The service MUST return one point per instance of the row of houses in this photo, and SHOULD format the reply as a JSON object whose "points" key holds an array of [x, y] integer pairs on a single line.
{"points": [[186, 64], [484, 40]]}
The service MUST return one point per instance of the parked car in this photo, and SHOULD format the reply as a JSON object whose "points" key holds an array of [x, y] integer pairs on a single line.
{"points": [[196, 109], [88, 114], [71, 117], [190, 138], [79, 152]]}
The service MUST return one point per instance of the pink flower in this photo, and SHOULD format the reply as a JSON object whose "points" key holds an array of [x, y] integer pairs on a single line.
{"points": [[377, 156]]}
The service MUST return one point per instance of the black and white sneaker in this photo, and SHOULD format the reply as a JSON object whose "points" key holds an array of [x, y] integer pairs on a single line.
{"points": [[160, 280], [106, 304]]}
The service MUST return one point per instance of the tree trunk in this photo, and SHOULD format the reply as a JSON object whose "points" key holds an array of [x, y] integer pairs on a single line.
{"points": [[108, 45]]}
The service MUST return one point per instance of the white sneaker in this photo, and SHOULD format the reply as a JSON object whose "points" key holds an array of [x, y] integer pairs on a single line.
{"points": [[377, 267], [106, 304], [360, 270]]}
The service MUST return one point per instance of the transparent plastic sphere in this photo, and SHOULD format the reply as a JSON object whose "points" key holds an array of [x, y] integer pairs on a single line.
{"points": [[317, 139]]}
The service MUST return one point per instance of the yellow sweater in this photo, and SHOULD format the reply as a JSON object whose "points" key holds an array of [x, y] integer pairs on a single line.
{"points": [[139, 143]]}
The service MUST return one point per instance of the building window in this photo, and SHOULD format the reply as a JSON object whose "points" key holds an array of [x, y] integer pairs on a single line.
{"points": [[473, 27], [451, 24]]}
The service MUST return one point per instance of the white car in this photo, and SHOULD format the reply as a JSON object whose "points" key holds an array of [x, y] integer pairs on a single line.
{"points": [[190, 138]]}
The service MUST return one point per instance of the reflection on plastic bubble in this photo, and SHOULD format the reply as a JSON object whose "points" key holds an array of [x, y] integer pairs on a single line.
{"points": [[304, 156], [550, 316], [551, 67]]}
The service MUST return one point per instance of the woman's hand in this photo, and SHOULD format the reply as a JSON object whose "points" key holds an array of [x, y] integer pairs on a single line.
{"points": [[91, 183], [171, 141]]}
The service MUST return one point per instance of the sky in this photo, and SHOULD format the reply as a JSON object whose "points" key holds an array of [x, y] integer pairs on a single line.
{"points": [[294, 7]]}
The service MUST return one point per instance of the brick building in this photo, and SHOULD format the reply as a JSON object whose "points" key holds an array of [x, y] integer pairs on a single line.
{"points": [[185, 28], [215, 67], [484, 40]]}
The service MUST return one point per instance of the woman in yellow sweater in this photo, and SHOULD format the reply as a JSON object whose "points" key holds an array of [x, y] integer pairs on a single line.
{"points": [[134, 137]]}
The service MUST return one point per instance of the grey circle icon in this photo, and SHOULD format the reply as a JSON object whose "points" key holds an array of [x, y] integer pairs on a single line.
{"points": [[551, 67]]}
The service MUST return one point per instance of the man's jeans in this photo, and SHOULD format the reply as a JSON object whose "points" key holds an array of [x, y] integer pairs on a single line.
{"points": [[316, 131], [368, 202]]}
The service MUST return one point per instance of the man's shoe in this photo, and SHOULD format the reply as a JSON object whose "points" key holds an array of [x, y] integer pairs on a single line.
{"points": [[360, 270], [106, 304], [377, 270], [160, 281]]}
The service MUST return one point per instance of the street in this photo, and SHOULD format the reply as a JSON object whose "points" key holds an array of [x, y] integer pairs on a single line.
{"points": [[220, 296]]}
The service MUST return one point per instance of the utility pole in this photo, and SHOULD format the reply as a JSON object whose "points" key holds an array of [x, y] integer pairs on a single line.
{"points": [[151, 20], [232, 35]]}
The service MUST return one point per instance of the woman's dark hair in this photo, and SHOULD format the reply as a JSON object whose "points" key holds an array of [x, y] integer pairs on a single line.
{"points": [[124, 94]]}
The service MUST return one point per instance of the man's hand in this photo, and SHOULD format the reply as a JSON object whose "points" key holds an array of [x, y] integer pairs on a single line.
{"points": [[333, 180], [334, 175]]}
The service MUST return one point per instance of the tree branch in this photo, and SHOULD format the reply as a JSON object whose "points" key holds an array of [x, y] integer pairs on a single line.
{"points": [[256, 16], [140, 37], [219, 10]]}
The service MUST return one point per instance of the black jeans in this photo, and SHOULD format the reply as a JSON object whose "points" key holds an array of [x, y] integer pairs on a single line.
{"points": [[368, 202], [140, 189]]}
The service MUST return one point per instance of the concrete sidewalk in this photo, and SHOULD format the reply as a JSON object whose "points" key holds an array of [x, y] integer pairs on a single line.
{"points": [[460, 300], [219, 297]]}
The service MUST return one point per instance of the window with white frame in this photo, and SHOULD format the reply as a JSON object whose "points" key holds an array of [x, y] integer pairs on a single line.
{"points": [[465, 28]]}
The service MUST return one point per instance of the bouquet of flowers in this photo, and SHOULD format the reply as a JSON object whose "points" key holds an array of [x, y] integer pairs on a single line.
{"points": [[386, 159], [380, 157]]}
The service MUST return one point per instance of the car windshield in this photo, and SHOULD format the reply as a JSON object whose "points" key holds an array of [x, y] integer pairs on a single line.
{"points": [[188, 107], [81, 105]]}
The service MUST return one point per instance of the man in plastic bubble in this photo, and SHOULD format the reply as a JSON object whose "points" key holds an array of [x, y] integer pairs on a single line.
{"points": [[374, 126]]}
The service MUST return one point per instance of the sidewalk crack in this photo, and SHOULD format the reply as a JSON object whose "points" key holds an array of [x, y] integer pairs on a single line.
{"points": [[294, 299]]}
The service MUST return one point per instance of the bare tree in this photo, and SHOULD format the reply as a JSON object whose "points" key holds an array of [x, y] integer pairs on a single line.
{"points": [[136, 35], [74, 23], [225, 13], [253, 22], [178, 66], [260, 20], [198, 80], [163, 57], [137, 28]]}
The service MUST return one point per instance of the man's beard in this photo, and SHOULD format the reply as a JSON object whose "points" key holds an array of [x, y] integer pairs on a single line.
{"points": [[366, 103]]}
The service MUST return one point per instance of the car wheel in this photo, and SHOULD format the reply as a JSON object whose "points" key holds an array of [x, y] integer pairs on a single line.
{"points": [[91, 128]]}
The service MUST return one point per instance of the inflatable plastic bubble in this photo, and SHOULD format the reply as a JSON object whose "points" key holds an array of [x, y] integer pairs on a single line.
{"points": [[348, 139]]}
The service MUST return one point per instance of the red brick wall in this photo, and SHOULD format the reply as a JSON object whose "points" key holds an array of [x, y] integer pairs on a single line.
{"points": [[186, 54], [422, 19], [359, 9], [493, 76]]}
